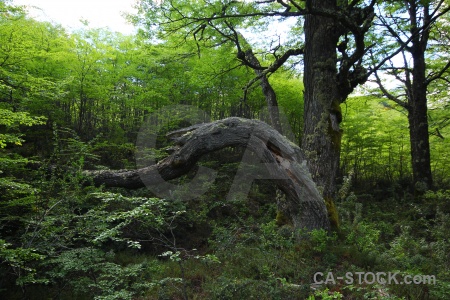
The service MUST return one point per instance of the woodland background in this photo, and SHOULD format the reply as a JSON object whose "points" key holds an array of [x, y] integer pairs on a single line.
{"points": [[74, 101]]}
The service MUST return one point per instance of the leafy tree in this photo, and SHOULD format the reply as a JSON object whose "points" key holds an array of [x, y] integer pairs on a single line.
{"points": [[33, 73], [286, 86], [375, 147], [11, 121], [62, 238], [414, 26], [328, 77], [26, 46]]}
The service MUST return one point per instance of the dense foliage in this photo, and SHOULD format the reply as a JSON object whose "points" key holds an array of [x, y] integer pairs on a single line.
{"points": [[76, 101]]}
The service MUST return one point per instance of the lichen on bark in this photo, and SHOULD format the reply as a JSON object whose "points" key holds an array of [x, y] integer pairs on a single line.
{"points": [[304, 205]]}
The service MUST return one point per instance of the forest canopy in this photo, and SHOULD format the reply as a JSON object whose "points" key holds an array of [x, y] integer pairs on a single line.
{"points": [[355, 94]]}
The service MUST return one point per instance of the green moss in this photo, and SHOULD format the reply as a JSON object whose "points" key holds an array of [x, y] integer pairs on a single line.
{"points": [[281, 219], [336, 108], [336, 136], [332, 213]]}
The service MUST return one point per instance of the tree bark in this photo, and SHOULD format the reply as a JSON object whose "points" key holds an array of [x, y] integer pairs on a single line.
{"points": [[417, 106], [321, 134], [268, 91], [284, 160], [416, 82]]}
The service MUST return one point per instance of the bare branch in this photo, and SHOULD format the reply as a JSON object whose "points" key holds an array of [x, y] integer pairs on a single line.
{"points": [[432, 77], [387, 94], [276, 64]]}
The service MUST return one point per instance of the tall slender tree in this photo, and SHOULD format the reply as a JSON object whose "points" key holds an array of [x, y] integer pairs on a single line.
{"points": [[411, 25]]}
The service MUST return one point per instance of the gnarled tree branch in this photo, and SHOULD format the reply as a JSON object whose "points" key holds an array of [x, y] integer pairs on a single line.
{"points": [[284, 160]]}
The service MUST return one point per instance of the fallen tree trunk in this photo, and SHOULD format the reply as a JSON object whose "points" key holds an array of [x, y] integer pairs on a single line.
{"points": [[284, 161]]}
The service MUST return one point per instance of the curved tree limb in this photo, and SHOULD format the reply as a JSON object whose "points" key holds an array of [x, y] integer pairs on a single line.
{"points": [[284, 160]]}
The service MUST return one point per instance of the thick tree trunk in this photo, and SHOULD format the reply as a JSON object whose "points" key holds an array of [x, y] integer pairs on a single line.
{"points": [[418, 125], [284, 161], [322, 135]]}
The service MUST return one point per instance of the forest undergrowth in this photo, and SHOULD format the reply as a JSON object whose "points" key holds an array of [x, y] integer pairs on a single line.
{"points": [[72, 101], [62, 238]]}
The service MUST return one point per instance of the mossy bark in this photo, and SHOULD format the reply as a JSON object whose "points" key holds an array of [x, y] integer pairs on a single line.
{"points": [[284, 162], [322, 116]]}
